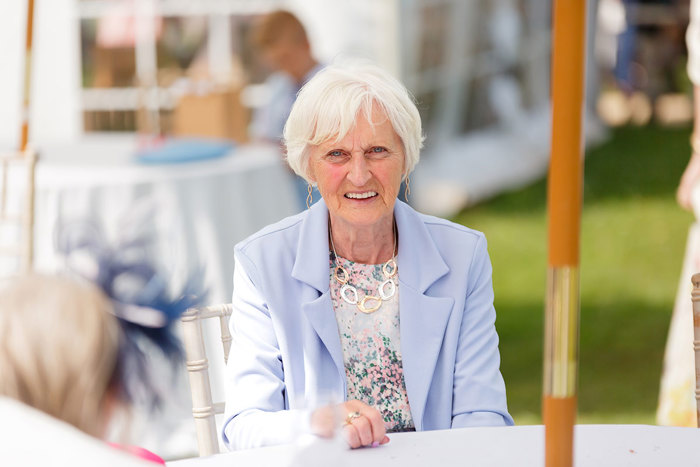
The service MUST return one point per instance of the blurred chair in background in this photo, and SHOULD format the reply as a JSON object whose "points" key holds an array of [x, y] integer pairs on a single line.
{"points": [[17, 188], [203, 407], [696, 341]]}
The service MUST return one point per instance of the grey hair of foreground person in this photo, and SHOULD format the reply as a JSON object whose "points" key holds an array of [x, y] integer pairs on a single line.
{"points": [[328, 105]]}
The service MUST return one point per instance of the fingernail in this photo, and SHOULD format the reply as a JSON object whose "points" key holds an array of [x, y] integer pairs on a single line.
{"points": [[375, 444]]}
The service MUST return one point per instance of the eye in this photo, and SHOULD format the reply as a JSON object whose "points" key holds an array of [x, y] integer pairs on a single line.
{"points": [[335, 153], [377, 150]]}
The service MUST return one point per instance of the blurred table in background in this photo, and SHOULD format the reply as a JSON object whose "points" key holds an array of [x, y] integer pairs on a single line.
{"points": [[522, 446], [201, 210]]}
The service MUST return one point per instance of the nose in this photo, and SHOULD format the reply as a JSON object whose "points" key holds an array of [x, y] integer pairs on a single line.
{"points": [[359, 173]]}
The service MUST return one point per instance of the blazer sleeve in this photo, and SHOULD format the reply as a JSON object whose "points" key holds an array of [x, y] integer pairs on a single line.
{"points": [[255, 412], [479, 393]]}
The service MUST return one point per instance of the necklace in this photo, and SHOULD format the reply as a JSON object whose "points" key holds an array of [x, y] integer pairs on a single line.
{"points": [[349, 294]]}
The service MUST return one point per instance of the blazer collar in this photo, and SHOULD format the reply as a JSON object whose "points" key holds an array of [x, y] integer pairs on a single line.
{"points": [[420, 262], [311, 264]]}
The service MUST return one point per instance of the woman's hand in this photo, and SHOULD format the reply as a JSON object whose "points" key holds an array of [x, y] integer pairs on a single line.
{"points": [[365, 429]]}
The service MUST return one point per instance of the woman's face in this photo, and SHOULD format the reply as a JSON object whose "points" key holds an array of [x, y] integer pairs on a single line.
{"points": [[359, 176]]}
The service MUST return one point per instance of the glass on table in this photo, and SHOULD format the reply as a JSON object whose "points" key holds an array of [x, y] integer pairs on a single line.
{"points": [[322, 442]]}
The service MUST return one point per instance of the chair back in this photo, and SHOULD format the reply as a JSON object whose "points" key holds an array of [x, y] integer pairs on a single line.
{"points": [[17, 225], [203, 407], [696, 340]]}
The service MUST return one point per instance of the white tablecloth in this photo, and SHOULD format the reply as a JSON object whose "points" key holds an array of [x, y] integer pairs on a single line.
{"points": [[522, 446], [202, 208], [200, 211]]}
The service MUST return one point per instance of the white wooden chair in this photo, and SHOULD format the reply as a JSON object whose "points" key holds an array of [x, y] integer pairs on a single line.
{"points": [[203, 408], [696, 340], [21, 247]]}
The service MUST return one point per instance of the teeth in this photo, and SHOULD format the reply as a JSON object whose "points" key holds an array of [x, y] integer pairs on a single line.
{"points": [[365, 195]]}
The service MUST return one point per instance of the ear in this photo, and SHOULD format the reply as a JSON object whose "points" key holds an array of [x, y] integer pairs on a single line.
{"points": [[310, 171], [311, 176]]}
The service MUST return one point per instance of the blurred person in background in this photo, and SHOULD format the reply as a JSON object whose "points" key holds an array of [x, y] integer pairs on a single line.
{"points": [[360, 296], [74, 348], [281, 39], [677, 405]]}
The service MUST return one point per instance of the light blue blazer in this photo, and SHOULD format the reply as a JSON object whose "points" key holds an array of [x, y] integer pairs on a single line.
{"points": [[286, 354]]}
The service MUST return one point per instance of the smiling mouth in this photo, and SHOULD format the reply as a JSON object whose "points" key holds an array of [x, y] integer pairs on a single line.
{"points": [[365, 195]]}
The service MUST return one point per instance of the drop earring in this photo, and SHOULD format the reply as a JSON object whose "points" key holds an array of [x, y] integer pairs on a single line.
{"points": [[407, 189], [309, 197]]}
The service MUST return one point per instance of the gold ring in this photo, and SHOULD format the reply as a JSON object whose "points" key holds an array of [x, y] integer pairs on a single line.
{"points": [[352, 416]]}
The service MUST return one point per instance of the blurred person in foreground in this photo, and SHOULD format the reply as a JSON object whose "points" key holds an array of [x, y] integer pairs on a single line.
{"points": [[360, 296], [73, 347], [281, 39], [677, 405]]}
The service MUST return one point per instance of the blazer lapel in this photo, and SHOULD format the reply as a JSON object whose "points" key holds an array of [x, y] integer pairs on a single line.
{"points": [[311, 267], [320, 314], [423, 318]]}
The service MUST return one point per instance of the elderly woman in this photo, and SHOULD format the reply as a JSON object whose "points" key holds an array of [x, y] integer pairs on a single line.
{"points": [[360, 296]]}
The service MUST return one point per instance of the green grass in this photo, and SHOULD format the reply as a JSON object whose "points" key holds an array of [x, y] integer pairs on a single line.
{"points": [[632, 242]]}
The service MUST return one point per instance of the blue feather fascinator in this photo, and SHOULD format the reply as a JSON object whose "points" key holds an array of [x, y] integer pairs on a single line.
{"points": [[142, 300]]}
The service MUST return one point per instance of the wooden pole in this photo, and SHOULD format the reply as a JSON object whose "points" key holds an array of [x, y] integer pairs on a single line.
{"points": [[24, 137], [564, 201]]}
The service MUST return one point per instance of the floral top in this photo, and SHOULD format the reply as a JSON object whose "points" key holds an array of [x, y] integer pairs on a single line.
{"points": [[371, 345]]}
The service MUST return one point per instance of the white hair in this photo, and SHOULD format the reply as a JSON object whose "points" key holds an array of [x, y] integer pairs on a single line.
{"points": [[329, 103]]}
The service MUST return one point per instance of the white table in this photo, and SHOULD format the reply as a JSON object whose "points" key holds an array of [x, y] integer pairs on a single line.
{"points": [[202, 209], [522, 446]]}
